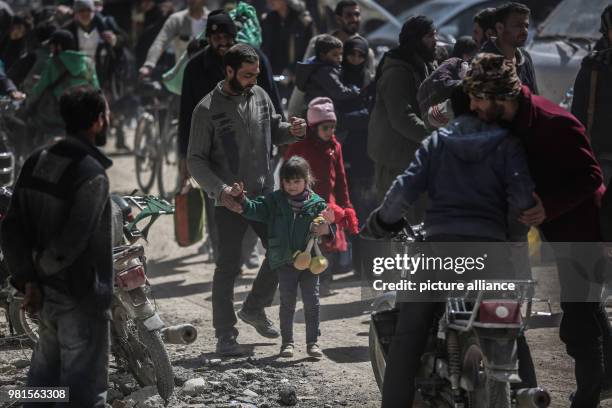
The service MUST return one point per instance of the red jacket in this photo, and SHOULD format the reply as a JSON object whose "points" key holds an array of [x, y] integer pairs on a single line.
{"points": [[327, 165], [567, 176]]}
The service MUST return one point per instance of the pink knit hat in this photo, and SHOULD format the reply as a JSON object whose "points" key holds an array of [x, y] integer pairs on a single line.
{"points": [[320, 110]]}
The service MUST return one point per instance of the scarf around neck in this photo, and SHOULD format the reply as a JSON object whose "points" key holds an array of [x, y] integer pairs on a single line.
{"points": [[297, 202]]}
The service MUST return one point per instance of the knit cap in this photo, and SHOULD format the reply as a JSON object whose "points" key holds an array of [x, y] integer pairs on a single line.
{"points": [[492, 76], [220, 22], [356, 43], [320, 110], [80, 5]]}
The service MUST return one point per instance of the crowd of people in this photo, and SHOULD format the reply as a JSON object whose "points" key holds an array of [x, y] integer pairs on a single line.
{"points": [[459, 140]]}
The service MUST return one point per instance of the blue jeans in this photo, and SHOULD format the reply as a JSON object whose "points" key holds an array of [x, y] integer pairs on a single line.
{"points": [[72, 351], [288, 280]]}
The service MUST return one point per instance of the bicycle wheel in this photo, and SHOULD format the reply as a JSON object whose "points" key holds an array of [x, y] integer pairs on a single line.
{"points": [[146, 151], [168, 177]]}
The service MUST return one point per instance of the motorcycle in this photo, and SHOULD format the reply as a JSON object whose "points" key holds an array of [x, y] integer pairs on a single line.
{"points": [[470, 359], [137, 331]]}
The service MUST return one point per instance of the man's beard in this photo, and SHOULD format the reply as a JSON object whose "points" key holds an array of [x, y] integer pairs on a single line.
{"points": [[351, 29], [492, 115], [100, 138], [225, 49], [237, 87], [426, 53]]}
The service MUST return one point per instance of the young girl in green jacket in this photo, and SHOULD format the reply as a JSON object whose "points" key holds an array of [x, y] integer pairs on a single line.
{"points": [[289, 214]]}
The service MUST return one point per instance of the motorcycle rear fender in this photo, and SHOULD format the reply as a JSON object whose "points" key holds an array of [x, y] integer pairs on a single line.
{"points": [[500, 357], [136, 303]]}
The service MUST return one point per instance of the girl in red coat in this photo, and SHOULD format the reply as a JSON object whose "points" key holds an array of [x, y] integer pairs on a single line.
{"points": [[324, 154]]}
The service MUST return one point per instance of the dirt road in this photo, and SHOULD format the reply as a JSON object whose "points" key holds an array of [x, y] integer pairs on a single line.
{"points": [[182, 282]]}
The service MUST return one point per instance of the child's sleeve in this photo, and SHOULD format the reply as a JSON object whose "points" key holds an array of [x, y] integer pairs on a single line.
{"points": [[257, 209], [329, 80]]}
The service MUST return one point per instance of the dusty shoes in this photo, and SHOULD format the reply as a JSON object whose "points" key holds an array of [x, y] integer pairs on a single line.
{"points": [[260, 322], [227, 346], [287, 350], [313, 350]]}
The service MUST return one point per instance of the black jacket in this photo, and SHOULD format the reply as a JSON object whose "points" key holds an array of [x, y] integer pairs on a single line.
{"points": [[101, 23], [57, 231], [202, 74], [599, 62], [285, 41], [524, 65], [316, 78]]}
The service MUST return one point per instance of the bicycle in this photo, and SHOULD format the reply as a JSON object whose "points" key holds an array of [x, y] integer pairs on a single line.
{"points": [[10, 158], [156, 141]]}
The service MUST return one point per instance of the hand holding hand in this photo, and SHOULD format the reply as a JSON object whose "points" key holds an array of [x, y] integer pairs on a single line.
{"points": [[229, 201], [298, 127]]}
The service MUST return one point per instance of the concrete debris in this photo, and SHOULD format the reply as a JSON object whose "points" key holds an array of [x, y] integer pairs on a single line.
{"points": [[287, 395], [194, 387]]}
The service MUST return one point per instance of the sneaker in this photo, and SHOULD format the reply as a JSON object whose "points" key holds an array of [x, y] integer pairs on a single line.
{"points": [[287, 350], [252, 261], [260, 322], [325, 289], [313, 350], [227, 346]]}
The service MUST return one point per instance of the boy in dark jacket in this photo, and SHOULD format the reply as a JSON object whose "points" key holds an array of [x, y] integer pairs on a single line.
{"points": [[320, 75]]}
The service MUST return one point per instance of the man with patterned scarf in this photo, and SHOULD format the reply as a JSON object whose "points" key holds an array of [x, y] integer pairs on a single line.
{"points": [[593, 95]]}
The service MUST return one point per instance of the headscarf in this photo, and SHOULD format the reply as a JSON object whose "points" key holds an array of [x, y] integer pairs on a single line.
{"points": [[603, 49], [492, 76], [355, 74]]}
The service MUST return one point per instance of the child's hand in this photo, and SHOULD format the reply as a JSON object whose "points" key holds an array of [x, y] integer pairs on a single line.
{"points": [[322, 229], [298, 127], [329, 215], [237, 190]]}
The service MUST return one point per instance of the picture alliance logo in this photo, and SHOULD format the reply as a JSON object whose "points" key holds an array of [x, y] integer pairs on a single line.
{"points": [[415, 263]]}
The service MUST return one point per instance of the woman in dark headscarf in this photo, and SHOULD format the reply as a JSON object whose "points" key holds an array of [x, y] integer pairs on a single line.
{"points": [[354, 62], [353, 126]]}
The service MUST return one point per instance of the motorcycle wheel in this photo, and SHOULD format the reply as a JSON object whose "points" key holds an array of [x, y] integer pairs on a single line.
{"points": [[487, 392], [163, 368], [377, 358], [24, 323], [145, 355], [146, 151]]}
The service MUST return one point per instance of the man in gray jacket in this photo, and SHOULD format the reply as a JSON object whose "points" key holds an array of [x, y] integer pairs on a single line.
{"points": [[181, 27], [57, 243], [396, 129], [232, 132]]}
